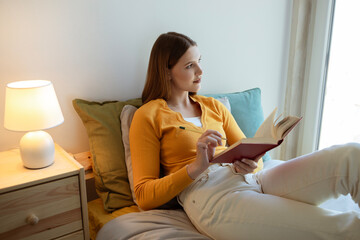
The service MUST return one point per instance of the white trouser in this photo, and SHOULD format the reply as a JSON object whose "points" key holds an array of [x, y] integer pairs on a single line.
{"points": [[280, 202]]}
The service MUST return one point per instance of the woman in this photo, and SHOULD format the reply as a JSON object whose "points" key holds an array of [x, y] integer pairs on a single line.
{"points": [[229, 201]]}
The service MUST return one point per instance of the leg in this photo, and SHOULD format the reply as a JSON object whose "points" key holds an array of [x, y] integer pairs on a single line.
{"points": [[316, 177], [224, 206], [252, 215]]}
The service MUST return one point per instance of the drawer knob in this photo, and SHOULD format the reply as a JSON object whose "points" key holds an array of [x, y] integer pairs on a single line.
{"points": [[32, 219]]}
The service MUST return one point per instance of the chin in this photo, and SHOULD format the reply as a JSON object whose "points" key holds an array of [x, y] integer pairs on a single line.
{"points": [[196, 88]]}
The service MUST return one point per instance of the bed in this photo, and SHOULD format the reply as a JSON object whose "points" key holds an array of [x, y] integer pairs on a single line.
{"points": [[155, 224], [112, 208]]}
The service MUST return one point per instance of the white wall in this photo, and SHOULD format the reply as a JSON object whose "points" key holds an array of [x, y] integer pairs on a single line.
{"points": [[98, 50]]}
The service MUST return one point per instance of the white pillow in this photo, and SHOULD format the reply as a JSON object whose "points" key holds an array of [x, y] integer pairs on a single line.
{"points": [[126, 117], [225, 101]]}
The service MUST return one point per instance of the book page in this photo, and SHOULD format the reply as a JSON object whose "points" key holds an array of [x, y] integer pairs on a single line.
{"points": [[285, 125], [266, 129]]}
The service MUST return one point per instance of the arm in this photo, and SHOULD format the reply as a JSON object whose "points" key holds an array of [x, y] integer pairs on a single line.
{"points": [[151, 191]]}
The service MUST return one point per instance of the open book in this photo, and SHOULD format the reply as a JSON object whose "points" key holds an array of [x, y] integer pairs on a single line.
{"points": [[269, 135]]}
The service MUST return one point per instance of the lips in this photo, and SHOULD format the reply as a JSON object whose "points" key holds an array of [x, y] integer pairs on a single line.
{"points": [[198, 80]]}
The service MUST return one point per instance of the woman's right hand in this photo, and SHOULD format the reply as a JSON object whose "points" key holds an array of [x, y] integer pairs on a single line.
{"points": [[206, 145]]}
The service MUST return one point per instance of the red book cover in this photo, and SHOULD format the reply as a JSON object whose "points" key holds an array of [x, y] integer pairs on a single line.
{"points": [[244, 150]]}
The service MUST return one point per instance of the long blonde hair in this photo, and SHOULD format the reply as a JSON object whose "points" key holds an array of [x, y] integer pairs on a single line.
{"points": [[166, 52]]}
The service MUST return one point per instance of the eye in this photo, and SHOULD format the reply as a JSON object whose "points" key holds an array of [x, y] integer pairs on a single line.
{"points": [[189, 66], [199, 60]]}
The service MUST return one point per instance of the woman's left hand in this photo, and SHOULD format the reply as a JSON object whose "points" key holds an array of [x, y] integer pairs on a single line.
{"points": [[245, 166]]}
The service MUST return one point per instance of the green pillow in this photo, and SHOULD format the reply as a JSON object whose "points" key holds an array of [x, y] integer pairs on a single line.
{"points": [[247, 110], [102, 123]]}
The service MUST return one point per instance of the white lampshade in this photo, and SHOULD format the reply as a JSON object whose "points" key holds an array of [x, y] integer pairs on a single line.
{"points": [[32, 106]]}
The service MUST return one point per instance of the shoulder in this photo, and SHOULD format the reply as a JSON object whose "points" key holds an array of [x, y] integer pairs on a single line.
{"points": [[204, 99], [152, 106], [150, 110], [146, 118]]}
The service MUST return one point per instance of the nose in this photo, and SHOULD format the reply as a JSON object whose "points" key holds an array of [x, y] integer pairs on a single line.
{"points": [[199, 71]]}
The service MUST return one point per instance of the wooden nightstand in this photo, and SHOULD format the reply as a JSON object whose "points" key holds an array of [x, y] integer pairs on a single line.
{"points": [[45, 203]]}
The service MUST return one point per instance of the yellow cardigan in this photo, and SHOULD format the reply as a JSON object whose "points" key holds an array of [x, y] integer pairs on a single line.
{"points": [[155, 138]]}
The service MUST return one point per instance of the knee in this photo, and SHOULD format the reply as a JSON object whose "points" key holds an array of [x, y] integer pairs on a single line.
{"points": [[353, 148], [351, 151]]}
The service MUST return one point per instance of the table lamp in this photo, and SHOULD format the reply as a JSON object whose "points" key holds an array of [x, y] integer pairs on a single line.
{"points": [[33, 106]]}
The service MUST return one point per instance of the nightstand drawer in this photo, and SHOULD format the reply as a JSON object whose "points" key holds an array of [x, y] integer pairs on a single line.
{"points": [[44, 211]]}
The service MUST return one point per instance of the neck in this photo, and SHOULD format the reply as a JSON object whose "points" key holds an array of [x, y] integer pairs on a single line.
{"points": [[179, 100]]}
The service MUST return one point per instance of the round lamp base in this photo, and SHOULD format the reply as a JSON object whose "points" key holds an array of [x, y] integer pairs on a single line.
{"points": [[37, 149]]}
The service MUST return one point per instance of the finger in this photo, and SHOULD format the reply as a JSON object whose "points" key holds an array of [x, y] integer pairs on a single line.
{"points": [[245, 167], [240, 170], [212, 132], [251, 163], [240, 163], [236, 162], [217, 138], [211, 140]]}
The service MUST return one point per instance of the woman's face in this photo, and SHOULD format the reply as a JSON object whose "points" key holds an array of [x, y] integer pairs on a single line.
{"points": [[186, 73]]}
